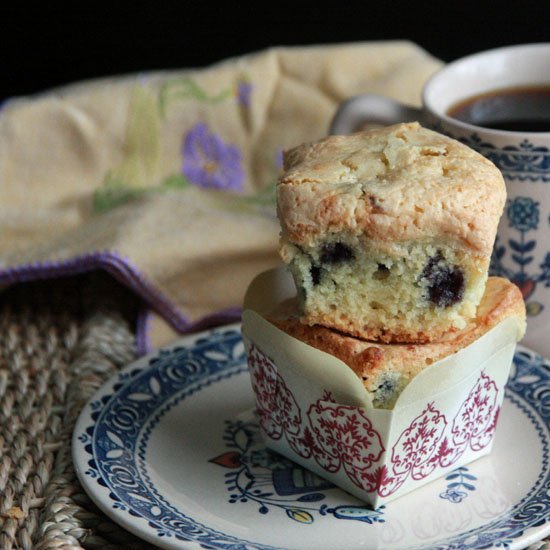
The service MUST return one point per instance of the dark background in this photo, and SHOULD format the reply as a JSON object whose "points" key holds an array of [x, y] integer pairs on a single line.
{"points": [[43, 47]]}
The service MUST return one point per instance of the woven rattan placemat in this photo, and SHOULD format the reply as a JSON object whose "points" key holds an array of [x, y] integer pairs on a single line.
{"points": [[59, 341]]}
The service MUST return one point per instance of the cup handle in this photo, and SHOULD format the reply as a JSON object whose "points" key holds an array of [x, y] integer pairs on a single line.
{"points": [[353, 113]]}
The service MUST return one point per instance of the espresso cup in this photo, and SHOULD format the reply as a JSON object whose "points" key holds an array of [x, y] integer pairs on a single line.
{"points": [[522, 247]]}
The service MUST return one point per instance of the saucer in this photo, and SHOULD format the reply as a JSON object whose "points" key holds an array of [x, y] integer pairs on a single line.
{"points": [[170, 449]]}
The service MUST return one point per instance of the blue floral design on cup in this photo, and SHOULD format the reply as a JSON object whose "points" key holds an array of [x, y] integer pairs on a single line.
{"points": [[524, 162], [523, 214]]}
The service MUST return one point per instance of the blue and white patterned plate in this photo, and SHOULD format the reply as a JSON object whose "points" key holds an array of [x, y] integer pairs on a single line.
{"points": [[170, 450]]}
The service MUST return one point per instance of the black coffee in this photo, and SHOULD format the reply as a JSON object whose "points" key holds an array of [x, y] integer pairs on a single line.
{"points": [[522, 109]]}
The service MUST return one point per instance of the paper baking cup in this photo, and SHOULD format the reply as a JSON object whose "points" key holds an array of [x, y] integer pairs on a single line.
{"points": [[314, 410]]}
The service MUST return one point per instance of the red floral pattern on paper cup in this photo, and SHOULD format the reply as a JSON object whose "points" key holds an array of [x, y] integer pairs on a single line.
{"points": [[345, 438], [349, 445], [275, 404], [415, 451], [476, 419]]}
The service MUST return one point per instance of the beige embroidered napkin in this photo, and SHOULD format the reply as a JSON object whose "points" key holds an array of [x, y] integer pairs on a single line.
{"points": [[166, 180]]}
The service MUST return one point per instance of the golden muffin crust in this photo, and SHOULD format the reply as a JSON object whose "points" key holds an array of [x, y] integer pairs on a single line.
{"points": [[400, 183]]}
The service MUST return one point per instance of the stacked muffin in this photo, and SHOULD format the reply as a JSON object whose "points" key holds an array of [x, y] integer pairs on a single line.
{"points": [[388, 235]]}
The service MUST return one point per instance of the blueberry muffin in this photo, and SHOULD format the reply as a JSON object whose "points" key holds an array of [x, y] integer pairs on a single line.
{"points": [[388, 233], [386, 369]]}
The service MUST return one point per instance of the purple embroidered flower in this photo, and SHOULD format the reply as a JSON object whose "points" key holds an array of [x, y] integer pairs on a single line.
{"points": [[279, 160], [209, 162], [243, 93]]}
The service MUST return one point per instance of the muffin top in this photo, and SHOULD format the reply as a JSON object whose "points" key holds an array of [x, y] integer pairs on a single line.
{"points": [[395, 184]]}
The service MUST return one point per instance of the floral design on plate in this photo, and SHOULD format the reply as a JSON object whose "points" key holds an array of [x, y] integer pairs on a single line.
{"points": [[461, 481]]}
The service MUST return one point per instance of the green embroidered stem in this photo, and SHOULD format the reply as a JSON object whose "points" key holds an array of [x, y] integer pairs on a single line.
{"points": [[182, 88], [115, 192]]}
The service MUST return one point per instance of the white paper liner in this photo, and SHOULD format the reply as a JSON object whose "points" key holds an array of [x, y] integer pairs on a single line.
{"points": [[315, 410]]}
